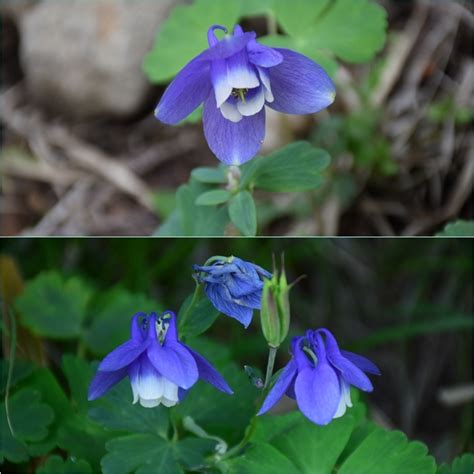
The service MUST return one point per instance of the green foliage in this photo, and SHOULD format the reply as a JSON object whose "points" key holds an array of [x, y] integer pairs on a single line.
{"points": [[213, 198], [323, 30], [359, 135], [243, 213], [389, 452], [461, 465], [209, 175], [194, 320], [56, 465], [25, 405], [65, 310], [110, 315], [446, 109], [294, 168], [184, 35], [458, 229]]}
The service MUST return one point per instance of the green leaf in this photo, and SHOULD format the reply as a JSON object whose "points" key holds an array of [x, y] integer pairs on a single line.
{"points": [[111, 316], [184, 35], [171, 226], [80, 436], [463, 464], [53, 306], [24, 406], [57, 465], [45, 382], [116, 411], [294, 168], [21, 370], [204, 400], [213, 198], [315, 449], [209, 175], [199, 319], [199, 220], [458, 229], [353, 31], [243, 213], [268, 427], [261, 459], [391, 453], [142, 454], [145, 453], [298, 17]]}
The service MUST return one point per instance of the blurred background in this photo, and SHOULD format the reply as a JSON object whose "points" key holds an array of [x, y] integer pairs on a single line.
{"points": [[83, 155], [406, 304]]}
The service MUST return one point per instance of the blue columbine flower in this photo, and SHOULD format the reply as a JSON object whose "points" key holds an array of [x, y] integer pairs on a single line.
{"points": [[235, 78], [160, 367], [319, 376], [234, 286]]}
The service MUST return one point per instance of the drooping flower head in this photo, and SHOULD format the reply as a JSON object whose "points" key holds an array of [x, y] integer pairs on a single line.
{"points": [[235, 78], [234, 286], [319, 377], [160, 367]]}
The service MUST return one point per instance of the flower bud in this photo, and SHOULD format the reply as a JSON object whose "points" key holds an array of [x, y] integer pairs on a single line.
{"points": [[275, 308]]}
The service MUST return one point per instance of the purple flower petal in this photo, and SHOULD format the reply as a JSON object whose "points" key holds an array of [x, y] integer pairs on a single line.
{"points": [[262, 55], [186, 93], [222, 300], [226, 47], [137, 329], [299, 85], [318, 393], [283, 383], [174, 362], [362, 362], [104, 381], [233, 143], [349, 371], [265, 79], [208, 373], [172, 332], [122, 356], [301, 358]]}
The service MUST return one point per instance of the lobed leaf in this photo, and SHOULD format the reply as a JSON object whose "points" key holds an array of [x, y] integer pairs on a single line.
{"points": [[62, 309], [243, 213]]}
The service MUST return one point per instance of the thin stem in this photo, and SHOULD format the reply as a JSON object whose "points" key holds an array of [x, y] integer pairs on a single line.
{"points": [[271, 362], [272, 24], [10, 370]]}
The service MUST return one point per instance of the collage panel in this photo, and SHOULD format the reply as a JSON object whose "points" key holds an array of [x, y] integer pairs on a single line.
{"points": [[237, 118], [239, 355]]}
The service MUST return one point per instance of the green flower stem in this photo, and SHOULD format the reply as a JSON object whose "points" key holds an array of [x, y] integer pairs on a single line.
{"points": [[270, 364], [10, 368], [253, 422], [190, 425]]}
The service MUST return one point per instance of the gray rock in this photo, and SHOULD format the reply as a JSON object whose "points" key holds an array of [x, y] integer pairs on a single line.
{"points": [[84, 57]]}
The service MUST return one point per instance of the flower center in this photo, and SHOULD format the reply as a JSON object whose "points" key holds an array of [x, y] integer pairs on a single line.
{"points": [[239, 94], [162, 326]]}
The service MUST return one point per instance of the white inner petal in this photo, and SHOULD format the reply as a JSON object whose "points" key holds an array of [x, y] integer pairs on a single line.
{"points": [[149, 403], [230, 111], [344, 400], [150, 386], [222, 88], [240, 74], [170, 391], [265, 78], [253, 104]]}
